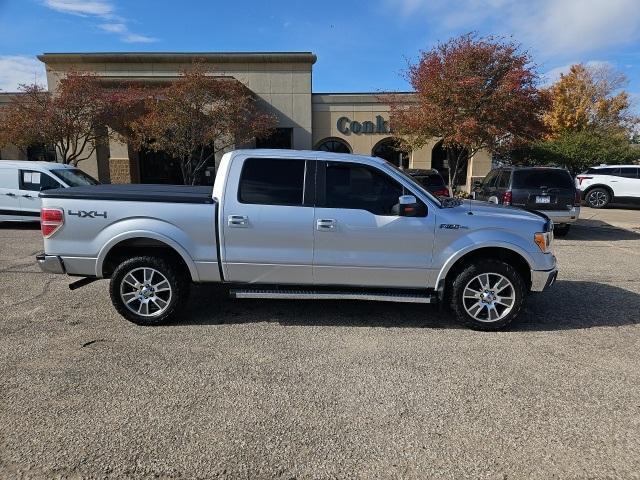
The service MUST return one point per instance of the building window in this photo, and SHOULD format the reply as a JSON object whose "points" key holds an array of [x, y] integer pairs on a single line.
{"points": [[333, 144], [389, 149], [41, 153], [279, 138]]}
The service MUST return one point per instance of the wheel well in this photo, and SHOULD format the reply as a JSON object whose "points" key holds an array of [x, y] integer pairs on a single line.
{"points": [[514, 259], [604, 187], [140, 246]]}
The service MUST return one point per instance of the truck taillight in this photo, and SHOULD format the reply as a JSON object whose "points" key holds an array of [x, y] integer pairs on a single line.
{"points": [[51, 219], [578, 199], [507, 197], [443, 192]]}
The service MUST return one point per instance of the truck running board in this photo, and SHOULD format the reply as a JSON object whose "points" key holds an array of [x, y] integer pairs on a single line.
{"points": [[404, 297]]}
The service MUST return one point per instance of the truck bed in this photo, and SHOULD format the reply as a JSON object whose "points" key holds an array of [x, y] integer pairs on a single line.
{"points": [[136, 193]]}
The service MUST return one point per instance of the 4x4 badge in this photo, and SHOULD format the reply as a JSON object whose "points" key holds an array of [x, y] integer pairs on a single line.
{"points": [[85, 214]]}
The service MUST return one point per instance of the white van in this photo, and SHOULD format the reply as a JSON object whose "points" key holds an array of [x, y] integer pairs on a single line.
{"points": [[22, 181]]}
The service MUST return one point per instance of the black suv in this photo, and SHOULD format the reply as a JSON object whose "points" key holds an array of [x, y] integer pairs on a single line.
{"points": [[548, 190], [429, 179]]}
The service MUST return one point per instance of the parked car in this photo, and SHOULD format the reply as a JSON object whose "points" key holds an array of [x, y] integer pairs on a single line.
{"points": [[604, 184], [430, 179], [22, 181], [545, 189], [288, 224]]}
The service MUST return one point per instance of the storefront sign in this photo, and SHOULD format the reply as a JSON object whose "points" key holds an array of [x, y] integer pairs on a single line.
{"points": [[346, 126]]}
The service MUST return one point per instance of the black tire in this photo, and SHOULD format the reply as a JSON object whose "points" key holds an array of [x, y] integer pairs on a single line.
{"points": [[172, 303], [561, 230], [598, 198], [494, 268]]}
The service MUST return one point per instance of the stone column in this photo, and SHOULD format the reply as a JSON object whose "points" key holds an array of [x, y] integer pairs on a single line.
{"points": [[121, 168]]}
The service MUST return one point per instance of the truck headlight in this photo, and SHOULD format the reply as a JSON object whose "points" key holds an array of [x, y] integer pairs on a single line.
{"points": [[543, 240]]}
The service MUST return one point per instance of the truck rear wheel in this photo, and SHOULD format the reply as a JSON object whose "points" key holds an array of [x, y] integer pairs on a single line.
{"points": [[148, 290], [487, 295]]}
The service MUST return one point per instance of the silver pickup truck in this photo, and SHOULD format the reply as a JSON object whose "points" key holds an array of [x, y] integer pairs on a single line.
{"points": [[287, 224]]}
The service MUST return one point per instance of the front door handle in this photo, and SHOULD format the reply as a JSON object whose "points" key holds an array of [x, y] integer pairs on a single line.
{"points": [[238, 221], [325, 224], [27, 196]]}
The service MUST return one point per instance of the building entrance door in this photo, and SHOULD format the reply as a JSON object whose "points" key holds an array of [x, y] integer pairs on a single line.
{"points": [[158, 167]]}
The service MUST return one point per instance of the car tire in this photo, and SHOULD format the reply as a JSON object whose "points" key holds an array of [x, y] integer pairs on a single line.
{"points": [[474, 296], [598, 198], [561, 230], [149, 290]]}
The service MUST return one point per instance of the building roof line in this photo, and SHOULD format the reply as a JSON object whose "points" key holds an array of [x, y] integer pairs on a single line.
{"points": [[176, 57]]}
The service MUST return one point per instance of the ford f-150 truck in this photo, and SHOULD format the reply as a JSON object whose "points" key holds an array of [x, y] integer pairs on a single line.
{"points": [[287, 224]]}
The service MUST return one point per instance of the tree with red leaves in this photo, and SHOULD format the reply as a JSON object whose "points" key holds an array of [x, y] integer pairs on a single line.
{"points": [[197, 116], [474, 93], [69, 119]]}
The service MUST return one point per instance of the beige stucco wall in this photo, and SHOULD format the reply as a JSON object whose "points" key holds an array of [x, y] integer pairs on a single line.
{"points": [[281, 82]]}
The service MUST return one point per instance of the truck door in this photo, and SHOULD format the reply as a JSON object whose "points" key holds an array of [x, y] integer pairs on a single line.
{"points": [[267, 221], [9, 194], [360, 239]]}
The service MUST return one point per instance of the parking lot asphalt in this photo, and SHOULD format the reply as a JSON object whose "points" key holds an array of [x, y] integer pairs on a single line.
{"points": [[275, 389]]}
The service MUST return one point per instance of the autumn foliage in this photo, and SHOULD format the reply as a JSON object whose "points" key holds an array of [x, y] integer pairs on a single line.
{"points": [[474, 93], [197, 116], [588, 97], [68, 120]]}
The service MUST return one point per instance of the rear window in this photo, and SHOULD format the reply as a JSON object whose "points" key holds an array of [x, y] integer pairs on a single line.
{"points": [[430, 180], [542, 178]]}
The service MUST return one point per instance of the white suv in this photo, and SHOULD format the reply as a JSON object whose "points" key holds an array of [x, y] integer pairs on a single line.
{"points": [[601, 185]]}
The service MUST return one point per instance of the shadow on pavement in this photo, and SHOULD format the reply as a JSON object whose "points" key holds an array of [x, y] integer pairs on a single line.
{"points": [[590, 229], [20, 225], [567, 305]]}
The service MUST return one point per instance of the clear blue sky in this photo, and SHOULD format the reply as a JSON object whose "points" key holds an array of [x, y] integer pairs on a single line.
{"points": [[361, 45]]}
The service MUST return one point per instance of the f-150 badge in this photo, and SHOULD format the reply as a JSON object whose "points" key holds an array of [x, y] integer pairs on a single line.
{"points": [[452, 226], [85, 214]]}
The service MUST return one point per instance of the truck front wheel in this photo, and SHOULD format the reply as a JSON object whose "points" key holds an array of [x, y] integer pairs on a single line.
{"points": [[487, 295], [148, 290]]}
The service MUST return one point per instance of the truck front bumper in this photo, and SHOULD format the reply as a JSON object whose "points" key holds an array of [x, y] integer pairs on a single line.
{"points": [[542, 279], [50, 263]]}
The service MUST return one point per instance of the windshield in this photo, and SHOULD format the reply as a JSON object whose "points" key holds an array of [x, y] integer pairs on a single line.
{"points": [[415, 184], [74, 177]]}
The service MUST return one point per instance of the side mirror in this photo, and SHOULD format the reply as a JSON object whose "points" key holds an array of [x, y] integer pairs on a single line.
{"points": [[477, 184], [408, 206]]}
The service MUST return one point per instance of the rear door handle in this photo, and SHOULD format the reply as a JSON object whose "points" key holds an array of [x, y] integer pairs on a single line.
{"points": [[325, 224], [238, 221], [10, 194]]}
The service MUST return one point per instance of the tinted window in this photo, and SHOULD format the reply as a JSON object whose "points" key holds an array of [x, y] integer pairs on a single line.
{"points": [[271, 181], [604, 171], [431, 180], [542, 178], [489, 180], [629, 172], [503, 180], [74, 177], [361, 187], [36, 181]]}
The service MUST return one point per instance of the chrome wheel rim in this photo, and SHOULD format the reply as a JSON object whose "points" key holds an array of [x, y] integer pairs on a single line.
{"points": [[146, 292], [489, 297], [597, 199]]}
